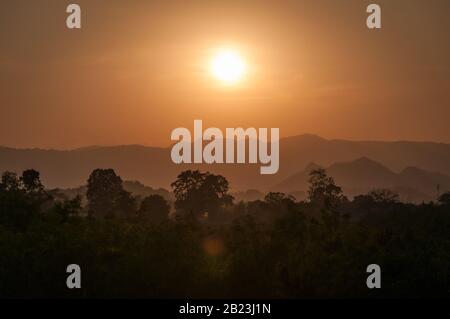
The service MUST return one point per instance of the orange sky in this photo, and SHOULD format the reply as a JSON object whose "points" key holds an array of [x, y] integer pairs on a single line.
{"points": [[138, 69]]}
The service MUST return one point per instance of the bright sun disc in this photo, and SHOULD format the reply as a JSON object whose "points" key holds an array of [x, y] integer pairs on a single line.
{"points": [[228, 67]]}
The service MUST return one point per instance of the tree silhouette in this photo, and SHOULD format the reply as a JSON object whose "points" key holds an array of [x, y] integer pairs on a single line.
{"points": [[68, 208], [323, 191], [21, 198], [279, 202], [106, 195], [252, 252], [444, 199], [10, 182], [197, 193], [31, 181], [384, 196], [154, 208]]}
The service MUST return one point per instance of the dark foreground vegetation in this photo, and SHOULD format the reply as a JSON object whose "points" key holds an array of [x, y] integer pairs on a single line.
{"points": [[207, 246]]}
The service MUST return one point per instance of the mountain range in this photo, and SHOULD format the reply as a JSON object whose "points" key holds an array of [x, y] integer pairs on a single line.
{"points": [[362, 175], [356, 165]]}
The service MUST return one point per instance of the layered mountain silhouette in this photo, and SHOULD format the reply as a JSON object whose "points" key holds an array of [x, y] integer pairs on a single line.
{"points": [[362, 175], [358, 164]]}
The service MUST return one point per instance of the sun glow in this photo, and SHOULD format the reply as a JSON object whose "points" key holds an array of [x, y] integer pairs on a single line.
{"points": [[228, 67]]}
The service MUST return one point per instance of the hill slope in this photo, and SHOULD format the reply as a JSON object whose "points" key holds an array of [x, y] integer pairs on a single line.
{"points": [[153, 166], [362, 175]]}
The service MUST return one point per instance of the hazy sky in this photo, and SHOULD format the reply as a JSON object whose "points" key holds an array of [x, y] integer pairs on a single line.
{"points": [[138, 69]]}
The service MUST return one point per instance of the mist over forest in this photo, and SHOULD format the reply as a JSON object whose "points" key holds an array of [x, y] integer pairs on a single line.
{"points": [[201, 243], [418, 171]]}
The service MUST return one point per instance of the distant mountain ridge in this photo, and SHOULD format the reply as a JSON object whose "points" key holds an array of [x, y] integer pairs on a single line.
{"points": [[153, 166], [363, 174]]}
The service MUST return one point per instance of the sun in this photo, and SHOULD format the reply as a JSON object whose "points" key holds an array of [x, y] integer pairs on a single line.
{"points": [[228, 67]]}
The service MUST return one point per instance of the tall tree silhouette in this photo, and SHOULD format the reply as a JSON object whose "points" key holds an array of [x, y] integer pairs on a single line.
{"points": [[197, 193], [31, 181], [106, 195], [21, 198], [323, 191]]}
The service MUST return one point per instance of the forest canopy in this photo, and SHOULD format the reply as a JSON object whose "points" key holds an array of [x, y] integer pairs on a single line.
{"points": [[204, 244]]}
